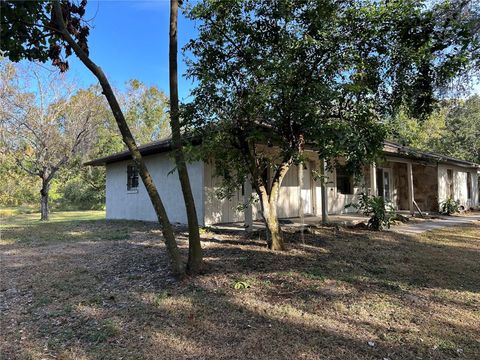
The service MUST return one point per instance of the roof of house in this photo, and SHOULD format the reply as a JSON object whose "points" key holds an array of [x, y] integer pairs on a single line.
{"points": [[151, 148], [390, 148], [409, 152]]}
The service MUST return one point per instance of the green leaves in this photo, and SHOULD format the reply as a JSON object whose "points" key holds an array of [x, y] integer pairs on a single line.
{"points": [[329, 70], [453, 128], [146, 111], [239, 285], [382, 214], [29, 31], [450, 206]]}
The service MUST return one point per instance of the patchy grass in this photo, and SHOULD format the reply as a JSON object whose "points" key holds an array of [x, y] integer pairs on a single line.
{"points": [[63, 226], [84, 288], [7, 211], [11, 218]]}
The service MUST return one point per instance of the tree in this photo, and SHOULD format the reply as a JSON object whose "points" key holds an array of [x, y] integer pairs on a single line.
{"points": [[26, 28], [83, 187], [146, 111], [195, 249], [452, 129], [17, 187], [46, 129], [424, 134], [296, 73], [462, 130]]}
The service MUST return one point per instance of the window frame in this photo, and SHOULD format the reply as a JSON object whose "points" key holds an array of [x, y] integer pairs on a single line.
{"points": [[133, 179], [343, 175], [469, 186], [450, 184]]}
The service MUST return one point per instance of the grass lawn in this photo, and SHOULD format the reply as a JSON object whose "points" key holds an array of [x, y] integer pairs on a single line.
{"points": [[81, 287]]}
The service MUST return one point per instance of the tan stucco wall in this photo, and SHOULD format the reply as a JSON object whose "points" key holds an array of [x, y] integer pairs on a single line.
{"points": [[425, 187]]}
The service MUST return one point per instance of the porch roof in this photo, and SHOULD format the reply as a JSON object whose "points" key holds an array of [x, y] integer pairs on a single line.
{"points": [[391, 148]]}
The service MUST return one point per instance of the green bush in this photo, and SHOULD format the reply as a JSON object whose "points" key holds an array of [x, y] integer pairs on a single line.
{"points": [[450, 206], [381, 213], [78, 195]]}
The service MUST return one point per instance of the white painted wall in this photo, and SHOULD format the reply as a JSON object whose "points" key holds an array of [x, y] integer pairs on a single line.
{"points": [[122, 204], [226, 210], [459, 185], [289, 196], [136, 205], [336, 200], [220, 210]]}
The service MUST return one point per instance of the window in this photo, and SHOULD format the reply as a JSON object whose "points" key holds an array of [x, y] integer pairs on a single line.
{"points": [[344, 181], [450, 182], [132, 177], [469, 186]]}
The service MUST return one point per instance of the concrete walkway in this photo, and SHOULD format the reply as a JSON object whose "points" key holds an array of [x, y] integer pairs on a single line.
{"points": [[420, 226], [414, 226]]}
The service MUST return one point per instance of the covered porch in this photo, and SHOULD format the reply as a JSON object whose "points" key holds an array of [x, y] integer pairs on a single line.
{"points": [[415, 183], [410, 186]]}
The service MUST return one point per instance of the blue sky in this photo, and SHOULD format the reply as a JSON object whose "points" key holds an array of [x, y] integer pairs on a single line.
{"points": [[129, 40]]}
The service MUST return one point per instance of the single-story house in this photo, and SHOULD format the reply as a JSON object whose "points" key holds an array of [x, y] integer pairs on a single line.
{"points": [[409, 178]]}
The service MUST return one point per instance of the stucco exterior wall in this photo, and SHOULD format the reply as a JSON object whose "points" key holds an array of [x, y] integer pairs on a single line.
{"points": [[460, 191], [220, 210], [400, 185], [336, 200], [136, 205], [227, 210], [430, 188]]}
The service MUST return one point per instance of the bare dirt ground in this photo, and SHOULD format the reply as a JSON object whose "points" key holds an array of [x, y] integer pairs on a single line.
{"points": [[75, 289]]}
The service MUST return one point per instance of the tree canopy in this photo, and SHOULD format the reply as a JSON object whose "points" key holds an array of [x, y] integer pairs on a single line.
{"points": [[29, 31], [324, 74], [46, 124], [147, 111], [452, 129]]}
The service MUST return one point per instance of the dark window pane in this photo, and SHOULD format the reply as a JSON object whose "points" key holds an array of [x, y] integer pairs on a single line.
{"points": [[469, 186], [344, 181], [132, 177]]}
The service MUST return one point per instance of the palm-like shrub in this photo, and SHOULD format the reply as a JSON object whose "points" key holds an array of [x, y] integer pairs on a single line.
{"points": [[450, 206], [382, 214]]}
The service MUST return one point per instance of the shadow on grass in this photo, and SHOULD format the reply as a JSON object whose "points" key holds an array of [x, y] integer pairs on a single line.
{"points": [[105, 301]]}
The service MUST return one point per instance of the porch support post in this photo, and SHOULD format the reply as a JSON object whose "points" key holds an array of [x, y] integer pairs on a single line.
{"points": [[373, 180], [411, 195], [247, 193], [323, 188]]}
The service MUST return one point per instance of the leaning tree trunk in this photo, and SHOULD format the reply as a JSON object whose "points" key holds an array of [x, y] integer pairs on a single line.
{"points": [[194, 249], [167, 230], [44, 211]]}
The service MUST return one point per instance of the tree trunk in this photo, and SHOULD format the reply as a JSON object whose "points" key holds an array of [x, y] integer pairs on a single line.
{"points": [[275, 241], [194, 246], [269, 202], [44, 201], [167, 230]]}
